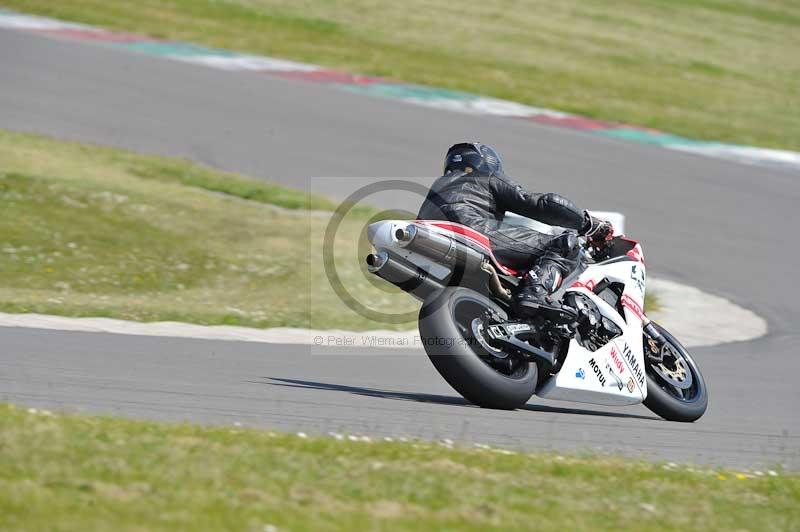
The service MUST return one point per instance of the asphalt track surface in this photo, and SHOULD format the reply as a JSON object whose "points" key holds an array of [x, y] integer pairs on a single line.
{"points": [[727, 228]]}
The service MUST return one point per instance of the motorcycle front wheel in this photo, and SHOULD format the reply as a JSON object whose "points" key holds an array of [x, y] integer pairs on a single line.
{"points": [[452, 333], [676, 390]]}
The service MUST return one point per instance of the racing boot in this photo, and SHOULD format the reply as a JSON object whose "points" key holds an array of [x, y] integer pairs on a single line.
{"points": [[560, 260], [533, 297]]}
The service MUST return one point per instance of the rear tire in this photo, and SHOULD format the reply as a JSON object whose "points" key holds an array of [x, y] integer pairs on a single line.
{"points": [[663, 399], [462, 360]]}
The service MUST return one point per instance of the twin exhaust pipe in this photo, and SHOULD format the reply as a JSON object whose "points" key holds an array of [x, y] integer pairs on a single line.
{"points": [[462, 261], [410, 279]]}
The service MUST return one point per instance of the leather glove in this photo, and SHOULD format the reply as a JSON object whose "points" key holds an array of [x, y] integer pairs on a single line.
{"points": [[597, 231]]}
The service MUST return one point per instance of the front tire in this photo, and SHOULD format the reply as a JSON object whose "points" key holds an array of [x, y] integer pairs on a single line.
{"points": [[446, 326], [664, 398]]}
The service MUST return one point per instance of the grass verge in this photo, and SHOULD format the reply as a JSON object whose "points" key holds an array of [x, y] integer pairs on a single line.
{"points": [[712, 69], [63, 472], [93, 231]]}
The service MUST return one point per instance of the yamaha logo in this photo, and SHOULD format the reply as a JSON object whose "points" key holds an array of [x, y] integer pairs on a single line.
{"points": [[634, 365]]}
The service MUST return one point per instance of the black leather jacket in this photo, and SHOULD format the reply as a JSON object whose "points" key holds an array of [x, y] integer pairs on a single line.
{"points": [[481, 202]]}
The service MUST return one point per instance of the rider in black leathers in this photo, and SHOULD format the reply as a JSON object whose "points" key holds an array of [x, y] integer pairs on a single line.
{"points": [[474, 191]]}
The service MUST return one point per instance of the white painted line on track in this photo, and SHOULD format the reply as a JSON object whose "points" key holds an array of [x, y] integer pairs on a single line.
{"points": [[32, 22], [249, 62]]}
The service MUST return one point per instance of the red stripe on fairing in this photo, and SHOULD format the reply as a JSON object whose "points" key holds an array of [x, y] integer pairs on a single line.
{"points": [[636, 253], [331, 76], [589, 285], [633, 306], [95, 35], [574, 122], [473, 235]]}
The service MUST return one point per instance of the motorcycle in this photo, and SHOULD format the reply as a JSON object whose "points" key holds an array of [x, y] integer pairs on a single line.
{"points": [[600, 349]]}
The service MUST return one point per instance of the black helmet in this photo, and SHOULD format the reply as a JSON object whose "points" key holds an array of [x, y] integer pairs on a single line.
{"points": [[467, 157]]}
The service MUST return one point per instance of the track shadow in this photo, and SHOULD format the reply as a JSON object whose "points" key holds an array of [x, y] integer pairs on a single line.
{"points": [[436, 399]]}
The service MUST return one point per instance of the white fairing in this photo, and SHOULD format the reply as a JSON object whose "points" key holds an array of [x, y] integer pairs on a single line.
{"points": [[612, 375]]}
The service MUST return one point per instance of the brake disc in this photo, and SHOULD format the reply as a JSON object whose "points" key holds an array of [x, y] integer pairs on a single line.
{"points": [[672, 367]]}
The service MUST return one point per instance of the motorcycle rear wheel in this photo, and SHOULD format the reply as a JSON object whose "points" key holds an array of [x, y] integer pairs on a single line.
{"points": [[446, 326], [663, 398]]}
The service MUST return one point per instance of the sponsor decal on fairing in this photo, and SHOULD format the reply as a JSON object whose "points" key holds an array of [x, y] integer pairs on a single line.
{"points": [[636, 369], [638, 277], [617, 360], [617, 380], [597, 371]]}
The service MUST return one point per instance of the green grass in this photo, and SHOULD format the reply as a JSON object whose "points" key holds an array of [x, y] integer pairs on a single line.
{"points": [[712, 69], [92, 231], [185, 173], [64, 472]]}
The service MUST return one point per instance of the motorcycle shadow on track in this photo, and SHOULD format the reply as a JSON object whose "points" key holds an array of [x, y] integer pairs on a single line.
{"points": [[437, 399]]}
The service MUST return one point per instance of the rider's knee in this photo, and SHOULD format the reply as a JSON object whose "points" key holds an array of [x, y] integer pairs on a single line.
{"points": [[566, 243]]}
